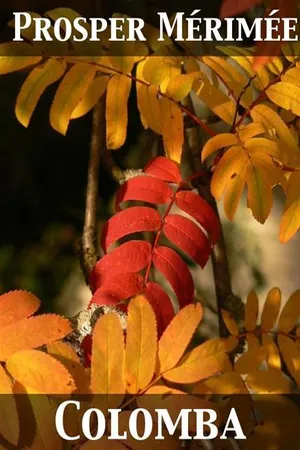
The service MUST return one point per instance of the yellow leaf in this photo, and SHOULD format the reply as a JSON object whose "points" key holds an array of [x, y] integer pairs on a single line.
{"points": [[263, 145], [260, 198], [252, 341], [272, 121], [69, 93], [270, 381], [234, 191], [290, 355], [172, 128], [95, 91], [46, 436], [65, 353], [177, 336], [246, 132], [11, 59], [217, 101], [290, 313], [118, 90], [121, 63], [148, 103], [286, 95], [273, 358], [9, 420], [108, 353], [230, 323], [140, 355], [292, 76], [233, 78], [35, 369], [251, 311], [290, 221], [250, 360], [179, 87], [158, 69], [225, 384], [32, 333], [230, 164], [17, 305], [271, 309], [35, 85], [217, 142]]}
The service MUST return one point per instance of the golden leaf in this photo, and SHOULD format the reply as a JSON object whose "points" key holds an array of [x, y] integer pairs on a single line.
{"points": [[260, 198], [95, 91], [234, 190], [177, 336], [225, 384], [9, 419], [292, 76], [118, 90], [217, 142], [11, 59], [69, 93], [290, 355], [17, 305], [141, 344], [290, 221], [108, 356], [273, 358], [246, 132], [252, 341], [34, 370], [230, 323], [251, 311], [172, 128], [32, 333], [290, 313], [250, 360], [271, 309], [266, 146], [180, 86], [35, 85], [285, 95], [270, 381]]}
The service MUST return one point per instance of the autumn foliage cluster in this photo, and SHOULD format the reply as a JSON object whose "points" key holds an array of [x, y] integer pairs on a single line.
{"points": [[259, 149]]}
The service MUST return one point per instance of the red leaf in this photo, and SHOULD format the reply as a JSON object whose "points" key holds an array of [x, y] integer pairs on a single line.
{"points": [[170, 264], [132, 256], [118, 288], [86, 347], [145, 189], [131, 220], [164, 168], [188, 236], [161, 304], [231, 8], [201, 211]]}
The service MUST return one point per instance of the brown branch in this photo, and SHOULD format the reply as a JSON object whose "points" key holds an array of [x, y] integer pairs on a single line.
{"points": [[222, 278], [89, 254]]}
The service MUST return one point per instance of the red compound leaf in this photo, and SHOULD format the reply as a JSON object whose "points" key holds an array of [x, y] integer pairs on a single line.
{"points": [[201, 211], [161, 304], [188, 237], [132, 256], [131, 220], [145, 189], [170, 264], [164, 169]]}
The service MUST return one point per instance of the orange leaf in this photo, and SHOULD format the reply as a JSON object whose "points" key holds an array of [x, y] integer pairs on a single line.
{"points": [[230, 323], [270, 381], [177, 336], [141, 344], [9, 420], [35, 370], [17, 305], [64, 353], [251, 311], [250, 360], [32, 333], [108, 356]]}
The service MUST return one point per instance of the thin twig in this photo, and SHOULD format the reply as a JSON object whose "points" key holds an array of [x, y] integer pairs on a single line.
{"points": [[238, 101], [89, 254]]}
